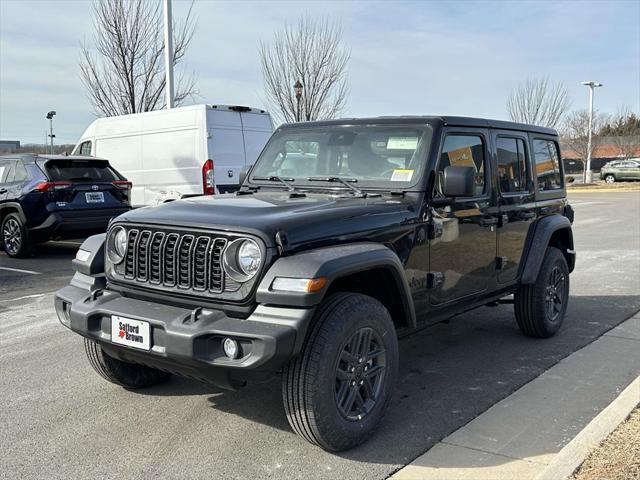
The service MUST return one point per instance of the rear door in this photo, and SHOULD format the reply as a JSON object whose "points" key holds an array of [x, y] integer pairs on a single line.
{"points": [[516, 196], [84, 184], [225, 145]]}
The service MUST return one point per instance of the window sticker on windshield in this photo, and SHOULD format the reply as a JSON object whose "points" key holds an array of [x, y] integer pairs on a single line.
{"points": [[402, 143], [401, 175]]}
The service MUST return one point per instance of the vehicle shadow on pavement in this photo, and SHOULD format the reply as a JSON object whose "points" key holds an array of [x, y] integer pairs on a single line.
{"points": [[449, 374]]}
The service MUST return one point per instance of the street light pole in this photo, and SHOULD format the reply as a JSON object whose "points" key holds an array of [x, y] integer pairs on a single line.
{"points": [[49, 117], [297, 88], [168, 53], [587, 169]]}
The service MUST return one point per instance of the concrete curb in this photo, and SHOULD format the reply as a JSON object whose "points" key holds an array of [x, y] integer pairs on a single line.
{"points": [[577, 450], [601, 190]]}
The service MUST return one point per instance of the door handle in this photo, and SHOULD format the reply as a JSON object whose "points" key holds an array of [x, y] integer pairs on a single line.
{"points": [[488, 222], [3, 190]]}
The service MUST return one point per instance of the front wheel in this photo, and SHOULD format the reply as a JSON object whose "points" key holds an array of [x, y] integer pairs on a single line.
{"points": [[337, 390], [609, 178], [540, 308]]}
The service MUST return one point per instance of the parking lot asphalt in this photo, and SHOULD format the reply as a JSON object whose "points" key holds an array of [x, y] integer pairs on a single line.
{"points": [[58, 419]]}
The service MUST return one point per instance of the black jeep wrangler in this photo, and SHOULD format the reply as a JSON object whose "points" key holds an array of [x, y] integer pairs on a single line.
{"points": [[345, 233]]}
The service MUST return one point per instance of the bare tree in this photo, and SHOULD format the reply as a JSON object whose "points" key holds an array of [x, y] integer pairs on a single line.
{"points": [[538, 102], [625, 130], [575, 134], [127, 74], [308, 52]]}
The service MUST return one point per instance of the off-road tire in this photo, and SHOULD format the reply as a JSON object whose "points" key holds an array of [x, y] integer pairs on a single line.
{"points": [[128, 375], [531, 302], [12, 223], [310, 387], [609, 178]]}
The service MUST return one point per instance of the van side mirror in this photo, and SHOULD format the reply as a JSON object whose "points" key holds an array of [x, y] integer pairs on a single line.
{"points": [[244, 173], [458, 181]]}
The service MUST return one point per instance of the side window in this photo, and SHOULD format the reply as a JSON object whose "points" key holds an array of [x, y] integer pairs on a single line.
{"points": [[512, 165], [20, 174], [547, 165], [85, 148], [463, 151], [6, 171]]}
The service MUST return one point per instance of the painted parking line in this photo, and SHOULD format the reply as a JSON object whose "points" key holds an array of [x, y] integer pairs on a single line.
{"points": [[66, 242], [24, 297], [19, 270]]}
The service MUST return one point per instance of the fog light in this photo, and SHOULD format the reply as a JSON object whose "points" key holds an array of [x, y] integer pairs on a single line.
{"points": [[231, 348]]}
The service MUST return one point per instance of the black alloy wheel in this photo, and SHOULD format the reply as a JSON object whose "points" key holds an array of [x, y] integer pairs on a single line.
{"points": [[360, 374]]}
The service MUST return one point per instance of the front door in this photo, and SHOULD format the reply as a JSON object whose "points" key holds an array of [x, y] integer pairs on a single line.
{"points": [[462, 257], [517, 200]]}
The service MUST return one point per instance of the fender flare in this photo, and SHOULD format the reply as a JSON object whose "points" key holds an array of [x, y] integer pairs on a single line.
{"points": [[9, 207], [538, 243], [333, 263]]}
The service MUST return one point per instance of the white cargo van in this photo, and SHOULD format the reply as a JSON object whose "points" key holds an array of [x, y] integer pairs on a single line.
{"points": [[168, 154]]}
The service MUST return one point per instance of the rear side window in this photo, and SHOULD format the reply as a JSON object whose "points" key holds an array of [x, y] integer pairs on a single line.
{"points": [[512, 165], [20, 173], [6, 171], [463, 151], [547, 165], [79, 171]]}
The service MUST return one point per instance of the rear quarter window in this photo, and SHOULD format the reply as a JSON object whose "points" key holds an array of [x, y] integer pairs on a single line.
{"points": [[547, 165], [80, 171]]}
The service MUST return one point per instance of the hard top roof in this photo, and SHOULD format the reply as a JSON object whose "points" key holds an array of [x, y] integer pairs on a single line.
{"points": [[428, 119]]}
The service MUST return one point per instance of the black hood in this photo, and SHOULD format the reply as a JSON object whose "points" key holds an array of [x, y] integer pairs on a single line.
{"points": [[314, 218]]}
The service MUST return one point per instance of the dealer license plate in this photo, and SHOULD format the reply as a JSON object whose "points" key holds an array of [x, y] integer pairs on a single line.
{"points": [[94, 197], [129, 332]]}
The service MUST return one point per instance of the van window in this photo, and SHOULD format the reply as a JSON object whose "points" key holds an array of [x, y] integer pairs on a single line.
{"points": [[512, 165], [85, 148], [463, 151], [547, 164], [80, 171]]}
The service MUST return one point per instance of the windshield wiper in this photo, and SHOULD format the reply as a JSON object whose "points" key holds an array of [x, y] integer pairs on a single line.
{"points": [[344, 181], [275, 178]]}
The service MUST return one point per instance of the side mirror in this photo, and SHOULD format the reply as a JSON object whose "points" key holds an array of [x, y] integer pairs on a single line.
{"points": [[459, 181], [244, 173]]}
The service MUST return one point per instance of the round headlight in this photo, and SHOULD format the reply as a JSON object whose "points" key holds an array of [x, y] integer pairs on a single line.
{"points": [[117, 245], [249, 257], [242, 259]]}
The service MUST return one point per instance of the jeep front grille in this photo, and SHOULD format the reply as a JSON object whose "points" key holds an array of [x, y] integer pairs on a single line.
{"points": [[186, 262]]}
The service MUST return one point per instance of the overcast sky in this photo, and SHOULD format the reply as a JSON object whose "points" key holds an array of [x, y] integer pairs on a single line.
{"points": [[420, 57]]}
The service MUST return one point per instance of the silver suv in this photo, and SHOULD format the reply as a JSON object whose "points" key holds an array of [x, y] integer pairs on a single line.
{"points": [[620, 170]]}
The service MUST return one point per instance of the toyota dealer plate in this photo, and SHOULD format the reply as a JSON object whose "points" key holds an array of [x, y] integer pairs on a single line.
{"points": [[129, 332], [94, 197]]}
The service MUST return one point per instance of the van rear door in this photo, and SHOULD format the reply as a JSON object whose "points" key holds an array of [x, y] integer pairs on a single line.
{"points": [[257, 128], [225, 146]]}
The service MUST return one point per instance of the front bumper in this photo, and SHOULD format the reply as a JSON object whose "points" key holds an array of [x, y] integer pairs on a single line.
{"points": [[189, 342]]}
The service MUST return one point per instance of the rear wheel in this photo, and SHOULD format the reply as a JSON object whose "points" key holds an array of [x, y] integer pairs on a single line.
{"points": [[129, 375], [609, 178], [15, 237], [337, 390], [540, 308]]}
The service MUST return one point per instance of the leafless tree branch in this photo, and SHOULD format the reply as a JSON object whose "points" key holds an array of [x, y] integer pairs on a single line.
{"points": [[537, 102], [124, 71], [310, 52], [575, 133]]}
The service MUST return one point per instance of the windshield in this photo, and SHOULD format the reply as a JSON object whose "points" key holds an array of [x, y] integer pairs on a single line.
{"points": [[389, 157]]}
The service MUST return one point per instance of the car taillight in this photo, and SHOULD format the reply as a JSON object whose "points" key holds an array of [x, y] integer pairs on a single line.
{"points": [[208, 178], [122, 184], [49, 186]]}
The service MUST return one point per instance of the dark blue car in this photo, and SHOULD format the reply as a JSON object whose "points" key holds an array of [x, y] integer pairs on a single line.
{"points": [[52, 197]]}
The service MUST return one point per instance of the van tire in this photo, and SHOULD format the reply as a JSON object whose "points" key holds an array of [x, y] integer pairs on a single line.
{"points": [[325, 406], [128, 375], [540, 308]]}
